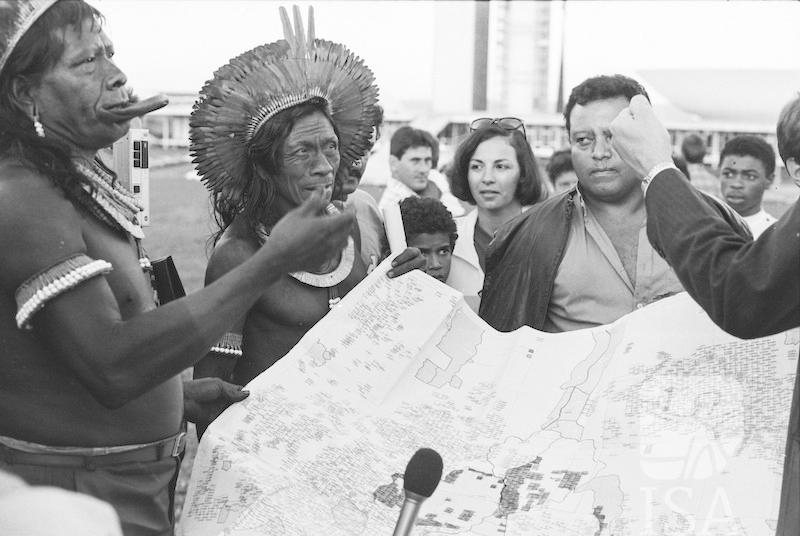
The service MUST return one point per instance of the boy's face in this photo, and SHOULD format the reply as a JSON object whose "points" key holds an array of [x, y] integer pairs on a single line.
{"points": [[438, 253], [743, 180]]}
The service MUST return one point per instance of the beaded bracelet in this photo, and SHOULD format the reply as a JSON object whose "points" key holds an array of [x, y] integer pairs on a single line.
{"points": [[34, 293], [230, 345]]}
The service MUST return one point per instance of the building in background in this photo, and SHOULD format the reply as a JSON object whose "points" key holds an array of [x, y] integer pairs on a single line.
{"points": [[525, 48], [169, 126], [507, 54], [493, 59]]}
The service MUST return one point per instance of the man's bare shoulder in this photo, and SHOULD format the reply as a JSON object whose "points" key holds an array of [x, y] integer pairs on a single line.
{"points": [[37, 222], [234, 247]]}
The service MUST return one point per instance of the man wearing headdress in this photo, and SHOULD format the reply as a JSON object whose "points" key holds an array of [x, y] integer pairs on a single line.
{"points": [[267, 131], [90, 396]]}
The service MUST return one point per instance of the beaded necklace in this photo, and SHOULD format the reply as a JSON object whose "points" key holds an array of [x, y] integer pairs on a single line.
{"points": [[332, 278], [112, 203]]}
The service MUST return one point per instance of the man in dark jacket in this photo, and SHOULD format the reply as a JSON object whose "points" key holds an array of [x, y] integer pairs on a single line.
{"points": [[749, 288], [581, 259]]}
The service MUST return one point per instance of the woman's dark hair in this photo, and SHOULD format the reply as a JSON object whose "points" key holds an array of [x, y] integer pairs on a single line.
{"points": [[37, 51], [529, 187], [266, 151]]}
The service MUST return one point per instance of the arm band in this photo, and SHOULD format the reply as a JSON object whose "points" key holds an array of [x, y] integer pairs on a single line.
{"points": [[34, 293], [230, 345]]}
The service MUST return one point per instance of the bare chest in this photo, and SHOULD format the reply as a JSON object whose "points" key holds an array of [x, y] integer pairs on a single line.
{"points": [[129, 283], [298, 305]]}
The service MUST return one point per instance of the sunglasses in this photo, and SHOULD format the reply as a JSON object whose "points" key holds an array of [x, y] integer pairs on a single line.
{"points": [[506, 123]]}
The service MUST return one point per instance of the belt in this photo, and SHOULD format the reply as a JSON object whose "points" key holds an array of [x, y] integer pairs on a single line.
{"points": [[172, 447]]}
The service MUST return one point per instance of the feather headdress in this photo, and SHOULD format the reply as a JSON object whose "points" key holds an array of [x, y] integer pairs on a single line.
{"points": [[248, 91], [16, 18]]}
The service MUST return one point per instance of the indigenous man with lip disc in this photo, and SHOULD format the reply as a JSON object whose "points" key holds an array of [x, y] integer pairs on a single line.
{"points": [[91, 398]]}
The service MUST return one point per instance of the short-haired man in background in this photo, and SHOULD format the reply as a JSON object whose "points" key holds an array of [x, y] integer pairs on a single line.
{"points": [[413, 153], [560, 171], [693, 150], [746, 170]]}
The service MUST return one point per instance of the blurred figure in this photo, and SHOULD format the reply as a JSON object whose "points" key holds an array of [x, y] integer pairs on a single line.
{"points": [[368, 216], [429, 227], [413, 153], [560, 171], [746, 170], [46, 511], [680, 163], [750, 288], [693, 150], [495, 170]]}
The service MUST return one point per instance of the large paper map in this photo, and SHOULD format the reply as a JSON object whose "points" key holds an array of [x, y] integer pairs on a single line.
{"points": [[658, 424]]}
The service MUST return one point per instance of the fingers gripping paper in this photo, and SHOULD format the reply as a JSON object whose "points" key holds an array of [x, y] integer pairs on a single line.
{"points": [[657, 424]]}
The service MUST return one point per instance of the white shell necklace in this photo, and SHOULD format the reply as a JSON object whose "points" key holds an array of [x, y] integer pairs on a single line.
{"points": [[330, 279]]}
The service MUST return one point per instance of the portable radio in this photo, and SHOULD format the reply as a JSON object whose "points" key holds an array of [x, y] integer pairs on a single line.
{"points": [[131, 163]]}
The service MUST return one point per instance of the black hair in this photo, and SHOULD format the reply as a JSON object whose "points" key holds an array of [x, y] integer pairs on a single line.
{"points": [[560, 163], [789, 131], [529, 186], [680, 163], [601, 88], [754, 146], [427, 215], [378, 121], [693, 149], [405, 138], [37, 51], [265, 150]]}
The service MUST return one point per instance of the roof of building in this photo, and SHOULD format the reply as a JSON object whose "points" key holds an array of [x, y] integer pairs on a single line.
{"points": [[748, 96]]}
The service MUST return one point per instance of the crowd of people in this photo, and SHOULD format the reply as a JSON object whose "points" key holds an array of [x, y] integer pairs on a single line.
{"points": [[91, 397]]}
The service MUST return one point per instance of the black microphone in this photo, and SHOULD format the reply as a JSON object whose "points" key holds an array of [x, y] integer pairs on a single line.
{"points": [[423, 472]]}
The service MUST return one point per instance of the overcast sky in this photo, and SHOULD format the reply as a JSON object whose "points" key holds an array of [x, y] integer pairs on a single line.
{"points": [[175, 45]]}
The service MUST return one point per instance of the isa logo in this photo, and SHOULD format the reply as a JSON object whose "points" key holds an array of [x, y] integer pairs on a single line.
{"points": [[691, 426]]}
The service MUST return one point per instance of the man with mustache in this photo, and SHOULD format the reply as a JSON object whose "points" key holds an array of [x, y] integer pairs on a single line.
{"points": [[580, 259], [91, 397]]}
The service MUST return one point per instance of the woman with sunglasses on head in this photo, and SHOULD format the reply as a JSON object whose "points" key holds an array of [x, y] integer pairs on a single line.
{"points": [[495, 170]]}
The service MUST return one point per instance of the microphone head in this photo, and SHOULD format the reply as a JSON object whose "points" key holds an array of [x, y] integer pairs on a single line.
{"points": [[423, 472]]}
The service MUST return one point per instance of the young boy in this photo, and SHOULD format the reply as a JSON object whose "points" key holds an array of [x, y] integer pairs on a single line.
{"points": [[429, 226], [746, 170]]}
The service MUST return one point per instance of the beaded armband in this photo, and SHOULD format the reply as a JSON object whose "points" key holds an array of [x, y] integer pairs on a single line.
{"points": [[34, 293], [230, 345]]}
